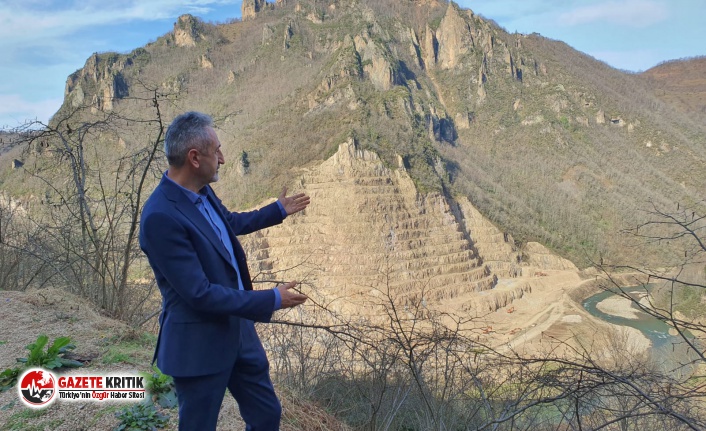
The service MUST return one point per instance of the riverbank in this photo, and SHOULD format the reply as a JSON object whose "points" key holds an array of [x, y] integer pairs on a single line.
{"points": [[550, 316], [633, 339], [618, 306]]}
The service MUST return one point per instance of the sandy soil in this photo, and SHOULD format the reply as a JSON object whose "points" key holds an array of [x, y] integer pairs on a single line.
{"points": [[618, 306], [548, 316]]}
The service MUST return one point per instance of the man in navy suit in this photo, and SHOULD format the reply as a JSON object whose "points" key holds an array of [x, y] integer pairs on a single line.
{"points": [[207, 340]]}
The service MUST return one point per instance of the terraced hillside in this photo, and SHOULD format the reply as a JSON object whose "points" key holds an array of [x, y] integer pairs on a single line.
{"points": [[368, 230], [471, 143]]}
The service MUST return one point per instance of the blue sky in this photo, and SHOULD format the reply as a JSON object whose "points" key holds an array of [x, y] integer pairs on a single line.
{"points": [[43, 41]]}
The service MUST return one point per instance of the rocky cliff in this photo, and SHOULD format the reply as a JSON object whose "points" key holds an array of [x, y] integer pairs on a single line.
{"points": [[99, 83], [188, 31], [250, 8], [369, 232]]}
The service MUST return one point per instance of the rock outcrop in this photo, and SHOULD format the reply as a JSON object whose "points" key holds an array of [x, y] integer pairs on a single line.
{"points": [[250, 8], [377, 63], [333, 87], [454, 38], [101, 79], [440, 126], [368, 230], [187, 31], [205, 62], [430, 48]]}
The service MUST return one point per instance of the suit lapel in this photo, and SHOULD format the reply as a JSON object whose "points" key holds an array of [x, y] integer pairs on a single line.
{"points": [[186, 207], [240, 257], [214, 204]]}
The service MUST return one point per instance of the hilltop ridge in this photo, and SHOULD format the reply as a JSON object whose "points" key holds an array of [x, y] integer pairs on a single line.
{"points": [[548, 144], [681, 83]]}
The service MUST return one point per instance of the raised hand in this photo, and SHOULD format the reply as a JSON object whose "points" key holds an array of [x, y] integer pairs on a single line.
{"points": [[293, 204]]}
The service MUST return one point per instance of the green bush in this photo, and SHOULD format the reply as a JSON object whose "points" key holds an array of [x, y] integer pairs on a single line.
{"points": [[161, 388], [8, 378], [51, 359], [140, 417]]}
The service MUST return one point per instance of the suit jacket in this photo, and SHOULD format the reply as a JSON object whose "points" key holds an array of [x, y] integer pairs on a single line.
{"points": [[201, 303]]}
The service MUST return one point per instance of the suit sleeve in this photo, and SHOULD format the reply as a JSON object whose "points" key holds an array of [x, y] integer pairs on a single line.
{"points": [[170, 251], [249, 222]]}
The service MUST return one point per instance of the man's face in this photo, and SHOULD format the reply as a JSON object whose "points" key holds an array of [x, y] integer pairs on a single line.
{"points": [[212, 157]]}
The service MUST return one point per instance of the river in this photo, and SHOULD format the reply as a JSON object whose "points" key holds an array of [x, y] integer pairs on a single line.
{"points": [[667, 350]]}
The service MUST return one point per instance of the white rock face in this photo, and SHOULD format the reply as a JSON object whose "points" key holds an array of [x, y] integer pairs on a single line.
{"points": [[368, 230]]}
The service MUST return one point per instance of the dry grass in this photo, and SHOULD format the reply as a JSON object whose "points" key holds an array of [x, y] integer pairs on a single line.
{"points": [[681, 83], [108, 346], [299, 414]]}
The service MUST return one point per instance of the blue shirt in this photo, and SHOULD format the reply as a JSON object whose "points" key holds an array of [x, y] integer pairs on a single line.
{"points": [[216, 222]]}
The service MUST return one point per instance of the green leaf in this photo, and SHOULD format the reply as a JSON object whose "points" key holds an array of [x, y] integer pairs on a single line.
{"points": [[140, 416], [8, 378], [38, 345], [52, 363], [8, 372], [36, 351], [58, 344], [167, 400], [52, 357], [70, 363], [66, 348]]}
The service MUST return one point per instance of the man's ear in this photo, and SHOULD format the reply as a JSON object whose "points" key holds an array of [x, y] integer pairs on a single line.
{"points": [[192, 157]]}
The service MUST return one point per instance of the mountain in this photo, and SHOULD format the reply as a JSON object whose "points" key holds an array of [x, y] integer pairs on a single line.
{"points": [[428, 137], [464, 182], [680, 83]]}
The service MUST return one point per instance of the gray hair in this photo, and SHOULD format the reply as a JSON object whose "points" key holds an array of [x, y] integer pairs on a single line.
{"points": [[187, 131]]}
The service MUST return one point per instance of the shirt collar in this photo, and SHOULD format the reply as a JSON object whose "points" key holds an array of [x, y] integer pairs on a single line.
{"points": [[193, 197]]}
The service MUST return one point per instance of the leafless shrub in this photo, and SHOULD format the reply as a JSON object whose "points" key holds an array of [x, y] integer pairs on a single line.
{"points": [[81, 235], [403, 365]]}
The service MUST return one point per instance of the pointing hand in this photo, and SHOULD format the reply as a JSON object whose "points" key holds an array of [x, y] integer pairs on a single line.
{"points": [[293, 204], [289, 297]]}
